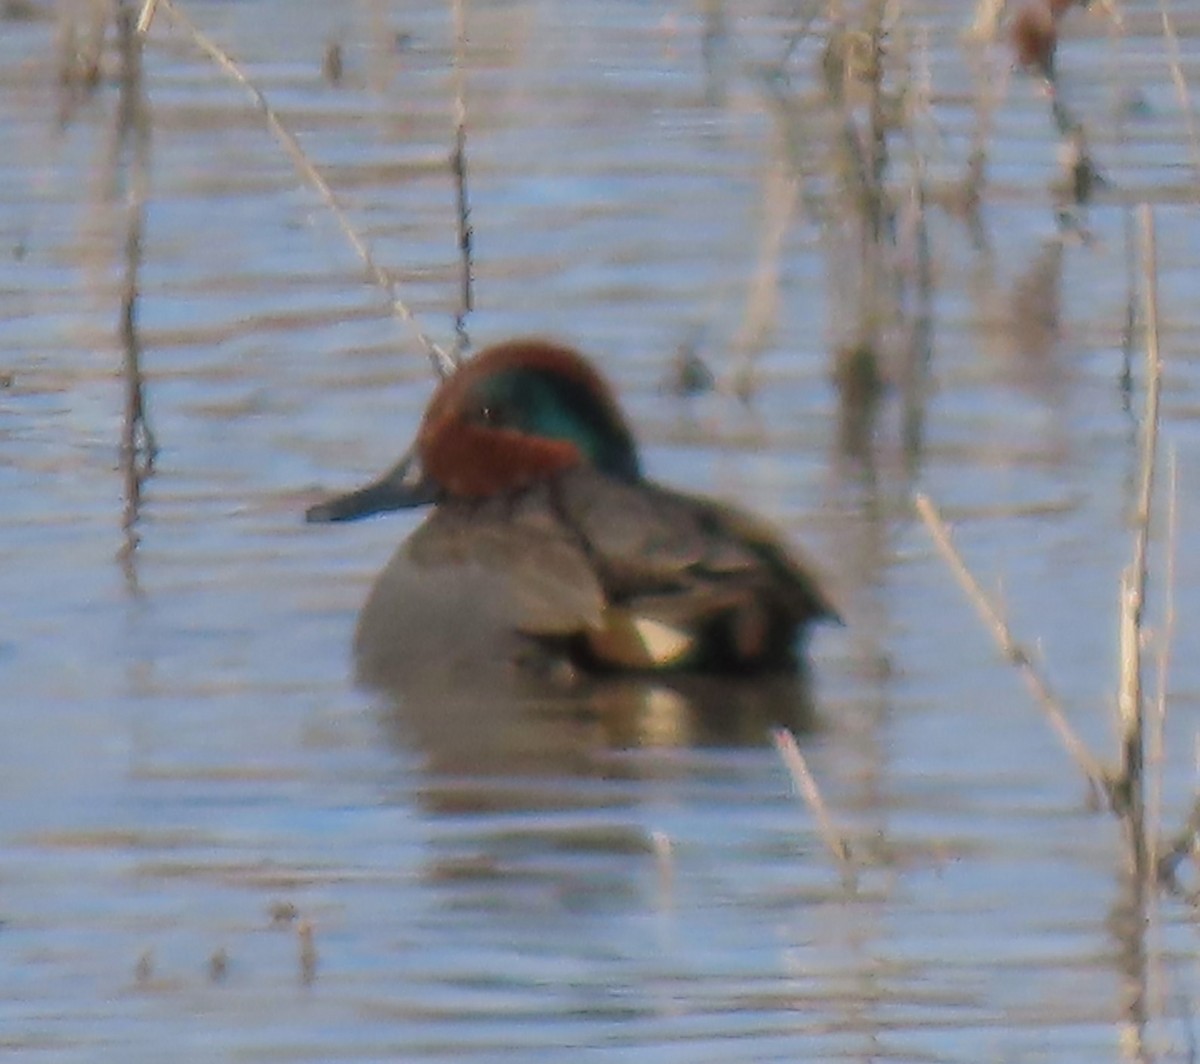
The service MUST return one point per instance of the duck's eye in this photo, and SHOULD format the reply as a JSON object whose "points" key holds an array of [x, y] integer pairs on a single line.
{"points": [[495, 409], [489, 414]]}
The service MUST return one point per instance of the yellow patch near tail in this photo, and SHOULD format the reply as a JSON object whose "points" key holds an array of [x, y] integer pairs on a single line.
{"points": [[629, 641]]}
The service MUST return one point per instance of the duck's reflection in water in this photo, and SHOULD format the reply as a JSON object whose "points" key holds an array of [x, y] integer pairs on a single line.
{"points": [[487, 710]]}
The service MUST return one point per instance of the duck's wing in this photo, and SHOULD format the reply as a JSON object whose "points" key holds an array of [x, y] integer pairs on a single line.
{"points": [[646, 537], [681, 566], [793, 575]]}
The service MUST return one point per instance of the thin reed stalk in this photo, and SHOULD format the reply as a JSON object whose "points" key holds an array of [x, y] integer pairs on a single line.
{"points": [[1156, 981], [1156, 744], [458, 165], [146, 16], [985, 21], [1014, 652], [80, 53], [918, 352], [305, 935], [781, 193], [806, 787], [1130, 701], [138, 445], [1178, 848], [1129, 326], [1174, 59], [442, 362]]}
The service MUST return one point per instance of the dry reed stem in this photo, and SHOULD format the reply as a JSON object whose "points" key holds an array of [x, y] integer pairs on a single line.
{"points": [[839, 71], [986, 21], [806, 786], [138, 448], [1178, 847], [1156, 750], [1156, 744], [1130, 702], [781, 193], [304, 930], [1129, 686], [914, 379], [876, 206], [853, 68], [1181, 86], [146, 16], [458, 164], [1129, 325], [442, 362], [991, 88], [918, 350], [1097, 776], [877, 203]]}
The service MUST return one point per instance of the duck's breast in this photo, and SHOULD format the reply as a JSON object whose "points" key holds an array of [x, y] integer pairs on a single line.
{"points": [[470, 587]]}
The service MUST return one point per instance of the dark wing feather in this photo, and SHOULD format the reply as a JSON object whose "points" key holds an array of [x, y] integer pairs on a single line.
{"points": [[692, 562]]}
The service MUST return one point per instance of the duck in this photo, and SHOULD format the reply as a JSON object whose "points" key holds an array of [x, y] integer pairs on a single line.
{"points": [[548, 548]]}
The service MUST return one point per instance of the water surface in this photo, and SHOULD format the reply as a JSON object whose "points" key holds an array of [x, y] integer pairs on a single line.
{"points": [[189, 773]]}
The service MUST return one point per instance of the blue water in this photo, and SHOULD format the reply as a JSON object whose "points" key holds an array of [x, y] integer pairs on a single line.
{"points": [[187, 765]]}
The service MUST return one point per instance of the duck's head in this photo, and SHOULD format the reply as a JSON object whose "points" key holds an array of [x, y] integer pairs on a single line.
{"points": [[517, 413]]}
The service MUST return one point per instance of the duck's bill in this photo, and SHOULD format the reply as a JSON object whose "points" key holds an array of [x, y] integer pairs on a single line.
{"points": [[400, 488]]}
